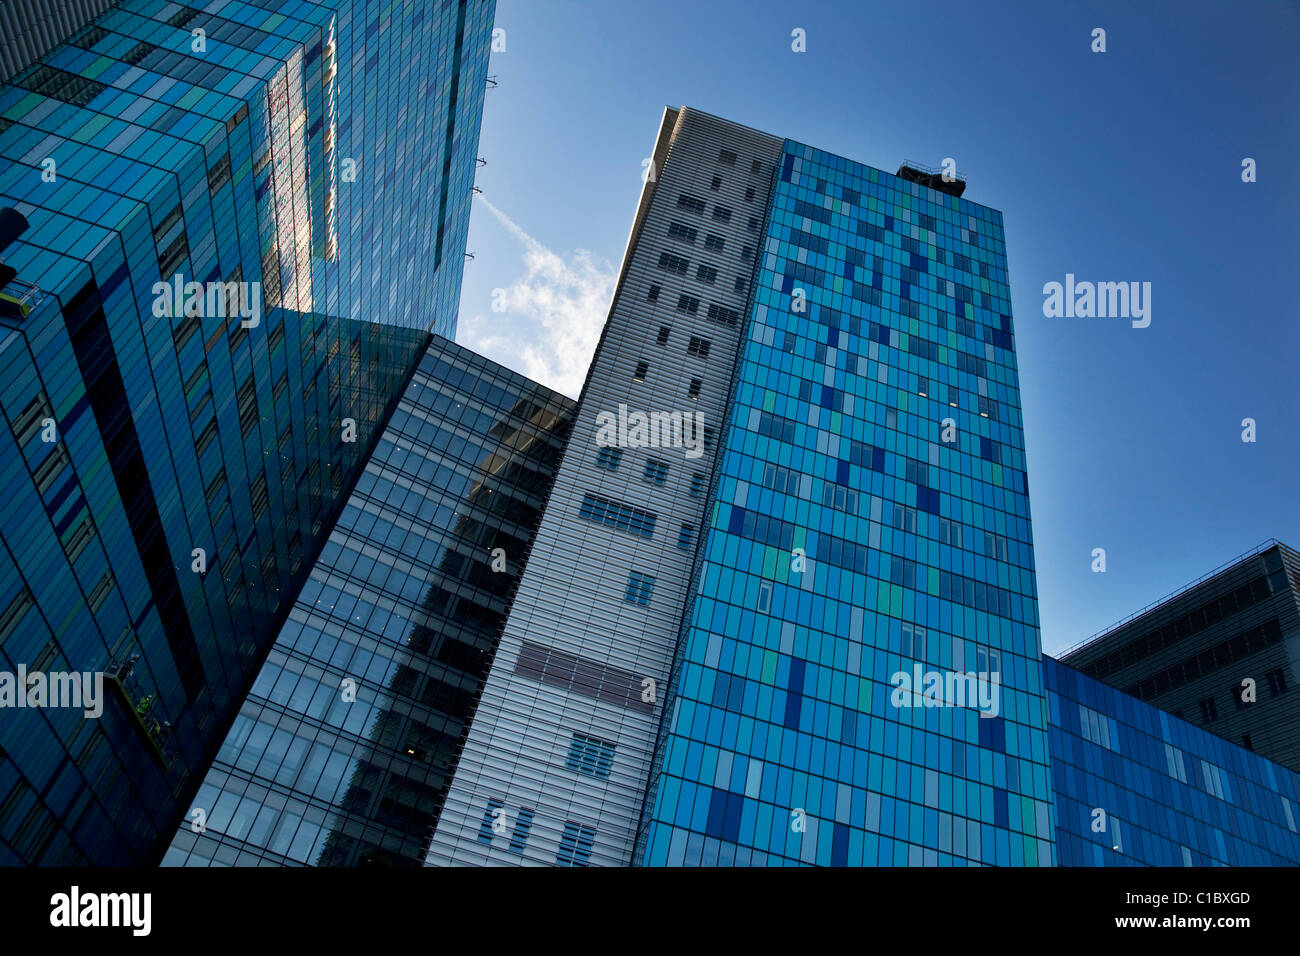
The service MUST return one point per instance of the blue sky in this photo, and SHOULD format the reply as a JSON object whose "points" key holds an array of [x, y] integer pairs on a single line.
{"points": [[1115, 166]]}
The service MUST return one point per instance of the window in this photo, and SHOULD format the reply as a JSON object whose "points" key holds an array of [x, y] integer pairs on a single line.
{"points": [[206, 437], [749, 194], [697, 484], [903, 518], [615, 514], [215, 487], [726, 157], [1174, 761], [739, 285], [840, 498], [639, 588], [765, 597], [950, 532], [575, 844], [219, 174], [100, 594], [590, 755], [987, 660], [653, 294], [240, 114], [671, 263], [752, 225], [692, 203], [1095, 727], [14, 613], [28, 423], [995, 546], [609, 458], [48, 471], [582, 676], [166, 223], [746, 254], [1234, 694], [662, 337], [171, 257], [685, 536], [494, 811], [1209, 711], [687, 303], [722, 214], [694, 390], [682, 232], [1245, 742], [655, 471], [716, 184], [247, 404], [709, 435], [756, 168], [523, 823], [781, 479], [1276, 681], [723, 315], [714, 242], [706, 274], [1213, 777], [914, 642], [80, 537], [642, 369], [699, 346]]}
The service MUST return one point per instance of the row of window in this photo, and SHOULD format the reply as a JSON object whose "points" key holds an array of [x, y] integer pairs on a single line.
{"points": [[692, 390], [1206, 615], [680, 265], [1213, 658], [575, 842], [698, 206], [689, 234], [655, 470], [1276, 680]]}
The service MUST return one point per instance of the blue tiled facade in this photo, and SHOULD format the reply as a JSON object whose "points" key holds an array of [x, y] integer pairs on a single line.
{"points": [[869, 519], [1135, 786], [324, 151], [870, 516]]}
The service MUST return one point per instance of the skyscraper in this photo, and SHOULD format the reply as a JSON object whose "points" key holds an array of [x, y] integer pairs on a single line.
{"points": [[1222, 653], [342, 752], [869, 528], [781, 606], [242, 222]]}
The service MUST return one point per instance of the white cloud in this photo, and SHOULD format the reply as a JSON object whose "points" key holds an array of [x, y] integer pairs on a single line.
{"points": [[553, 317]]}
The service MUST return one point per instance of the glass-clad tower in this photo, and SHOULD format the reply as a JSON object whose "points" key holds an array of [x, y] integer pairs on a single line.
{"points": [[231, 227], [342, 753], [811, 635], [867, 536]]}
